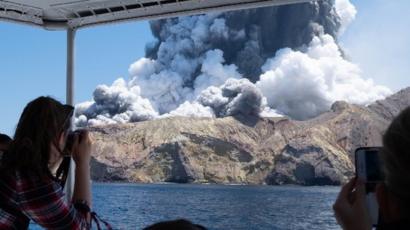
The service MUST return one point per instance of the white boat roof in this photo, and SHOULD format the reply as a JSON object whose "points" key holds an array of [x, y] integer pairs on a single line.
{"points": [[64, 14]]}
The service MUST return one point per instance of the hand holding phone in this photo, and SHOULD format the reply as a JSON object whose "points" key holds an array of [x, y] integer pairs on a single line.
{"points": [[350, 208]]}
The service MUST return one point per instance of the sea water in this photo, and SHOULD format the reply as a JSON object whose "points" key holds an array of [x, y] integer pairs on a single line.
{"points": [[134, 206]]}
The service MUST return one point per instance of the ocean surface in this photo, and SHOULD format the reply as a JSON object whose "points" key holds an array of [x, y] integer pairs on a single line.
{"points": [[134, 206]]}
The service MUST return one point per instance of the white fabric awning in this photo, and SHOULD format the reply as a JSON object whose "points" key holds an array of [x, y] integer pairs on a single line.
{"points": [[64, 14]]}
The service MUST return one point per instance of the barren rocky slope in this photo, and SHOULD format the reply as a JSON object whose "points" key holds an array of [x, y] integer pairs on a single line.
{"points": [[244, 150]]}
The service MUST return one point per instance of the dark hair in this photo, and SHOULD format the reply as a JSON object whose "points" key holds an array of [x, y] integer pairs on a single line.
{"points": [[175, 224], [42, 122], [396, 159], [4, 138]]}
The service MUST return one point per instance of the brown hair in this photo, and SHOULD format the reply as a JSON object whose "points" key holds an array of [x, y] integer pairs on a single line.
{"points": [[396, 159], [42, 122], [175, 224], [4, 139]]}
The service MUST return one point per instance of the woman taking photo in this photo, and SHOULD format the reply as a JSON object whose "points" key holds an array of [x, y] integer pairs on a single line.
{"points": [[28, 187]]}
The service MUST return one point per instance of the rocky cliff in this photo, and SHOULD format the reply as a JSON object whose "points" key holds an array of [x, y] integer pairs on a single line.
{"points": [[243, 150]]}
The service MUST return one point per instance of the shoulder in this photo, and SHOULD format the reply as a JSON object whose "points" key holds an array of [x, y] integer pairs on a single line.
{"points": [[28, 181]]}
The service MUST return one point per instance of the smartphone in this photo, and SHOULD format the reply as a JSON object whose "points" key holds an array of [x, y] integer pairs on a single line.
{"points": [[369, 169]]}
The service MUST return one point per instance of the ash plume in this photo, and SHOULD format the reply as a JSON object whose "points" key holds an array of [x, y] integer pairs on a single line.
{"points": [[270, 61], [247, 38]]}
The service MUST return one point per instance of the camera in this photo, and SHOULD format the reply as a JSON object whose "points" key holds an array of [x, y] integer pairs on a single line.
{"points": [[70, 141], [369, 169]]}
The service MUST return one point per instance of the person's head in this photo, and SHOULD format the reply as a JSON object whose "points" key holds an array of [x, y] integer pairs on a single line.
{"points": [[4, 142], [394, 195], [175, 224], [40, 133]]}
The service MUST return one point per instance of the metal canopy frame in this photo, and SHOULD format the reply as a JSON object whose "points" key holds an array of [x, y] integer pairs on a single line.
{"points": [[71, 15], [63, 14]]}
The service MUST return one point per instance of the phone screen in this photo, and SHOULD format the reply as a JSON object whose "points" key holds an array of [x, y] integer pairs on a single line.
{"points": [[368, 165], [373, 168], [368, 168]]}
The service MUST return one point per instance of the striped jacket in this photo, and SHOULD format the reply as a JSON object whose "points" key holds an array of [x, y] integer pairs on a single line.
{"points": [[24, 197]]}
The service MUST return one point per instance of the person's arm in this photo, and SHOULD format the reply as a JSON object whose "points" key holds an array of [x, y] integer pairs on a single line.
{"points": [[81, 156]]}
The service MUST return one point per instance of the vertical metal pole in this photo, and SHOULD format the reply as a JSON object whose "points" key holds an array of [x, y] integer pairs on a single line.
{"points": [[69, 186], [70, 66]]}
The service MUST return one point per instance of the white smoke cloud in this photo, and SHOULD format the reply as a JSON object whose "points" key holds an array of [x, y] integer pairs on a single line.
{"points": [[187, 75], [305, 84], [191, 109], [165, 88], [154, 90], [236, 96], [142, 68], [118, 103], [214, 73], [347, 13]]}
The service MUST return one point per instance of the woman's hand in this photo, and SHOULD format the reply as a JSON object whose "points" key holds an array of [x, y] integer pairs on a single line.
{"points": [[82, 148], [350, 207]]}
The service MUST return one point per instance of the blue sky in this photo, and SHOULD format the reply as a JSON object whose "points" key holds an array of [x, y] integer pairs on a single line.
{"points": [[378, 40], [32, 63], [32, 60]]}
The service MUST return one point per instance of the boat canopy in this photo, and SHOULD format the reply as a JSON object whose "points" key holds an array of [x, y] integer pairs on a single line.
{"points": [[73, 14]]}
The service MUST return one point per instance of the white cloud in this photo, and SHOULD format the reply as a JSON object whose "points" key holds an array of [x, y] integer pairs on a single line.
{"points": [[305, 84]]}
